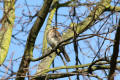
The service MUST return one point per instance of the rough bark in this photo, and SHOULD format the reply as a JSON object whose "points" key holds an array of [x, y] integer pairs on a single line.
{"points": [[24, 66]]}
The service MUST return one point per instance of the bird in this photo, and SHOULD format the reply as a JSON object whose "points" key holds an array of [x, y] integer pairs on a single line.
{"points": [[54, 38]]}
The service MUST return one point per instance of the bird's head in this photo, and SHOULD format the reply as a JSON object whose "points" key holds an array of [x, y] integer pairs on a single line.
{"points": [[52, 28], [55, 28]]}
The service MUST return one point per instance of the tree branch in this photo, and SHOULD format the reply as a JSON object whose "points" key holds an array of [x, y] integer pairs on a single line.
{"points": [[6, 29], [113, 61], [98, 66], [24, 66]]}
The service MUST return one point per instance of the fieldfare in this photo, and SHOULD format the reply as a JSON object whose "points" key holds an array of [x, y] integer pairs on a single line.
{"points": [[54, 38]]}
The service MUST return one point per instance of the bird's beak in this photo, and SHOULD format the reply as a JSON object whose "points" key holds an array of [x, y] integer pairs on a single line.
{"points": [[56, 28]]}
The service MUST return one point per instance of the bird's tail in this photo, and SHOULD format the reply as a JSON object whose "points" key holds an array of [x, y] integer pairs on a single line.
{"points": [[66, 56]]}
